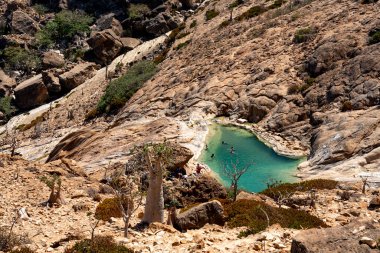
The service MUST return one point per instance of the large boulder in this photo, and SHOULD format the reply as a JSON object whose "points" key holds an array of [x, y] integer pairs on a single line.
{"points": [[23, 23], [343, 239], [6, 84], [31, 93], [106, 45], [109, 22], [162, 23], [130, 43], [198, 216], [52, 59], [76, 76], [374, 203], [51, 80]]}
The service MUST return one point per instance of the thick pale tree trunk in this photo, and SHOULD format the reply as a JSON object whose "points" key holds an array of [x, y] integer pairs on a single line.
{"points": [[154, 208]]}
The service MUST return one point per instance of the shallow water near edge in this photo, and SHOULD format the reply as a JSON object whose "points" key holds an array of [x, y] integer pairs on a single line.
{"points": [[266, 165]]}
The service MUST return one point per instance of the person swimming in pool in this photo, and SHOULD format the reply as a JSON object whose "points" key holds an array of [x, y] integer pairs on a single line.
{"points": [[232, 150], [213, 155]]}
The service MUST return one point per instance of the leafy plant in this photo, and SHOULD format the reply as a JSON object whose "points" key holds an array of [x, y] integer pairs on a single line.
{"points": [[122, 89], [100, 244], [235, 4], [193, 24], [108, 208], [210, 14], [6, 107], [17, 58], [65, 25], [304, 34]]}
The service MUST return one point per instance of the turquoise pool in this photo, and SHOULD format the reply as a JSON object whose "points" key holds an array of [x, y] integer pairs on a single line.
{"points": [[266, 164]]}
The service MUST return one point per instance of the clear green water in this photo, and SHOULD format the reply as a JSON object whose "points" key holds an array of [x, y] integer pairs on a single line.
{"points": [[266, 164]]}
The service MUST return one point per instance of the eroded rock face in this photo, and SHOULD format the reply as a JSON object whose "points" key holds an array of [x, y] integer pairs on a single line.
{"points": [[31, 93], [338, 239], [76, 76], [23, 23]]}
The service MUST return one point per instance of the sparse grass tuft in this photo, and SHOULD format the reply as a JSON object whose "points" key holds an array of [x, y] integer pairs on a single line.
{"points": [[193, 24], [182, 45], [136, 11], [6, 107], [304, 34], [374, 36], [18, 58]]}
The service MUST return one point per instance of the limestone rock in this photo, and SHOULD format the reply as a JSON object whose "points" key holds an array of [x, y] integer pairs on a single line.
{"points": [[23, 23], [31, 93], [106, 45], [198, 216], [336, 239], [130, 43], [368, 241], [52, 59], [374, 203], [76, 76], [51, 81]]}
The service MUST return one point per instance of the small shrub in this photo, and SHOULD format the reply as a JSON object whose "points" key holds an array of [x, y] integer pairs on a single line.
{"points": [[252, 12], [17, 58], [304, 34], [136, 11], [40, 9], [10, 240], [182, 45], [277, 4], [100, 244], [235, 4], [210, 14], [347, 106], [6, 107], [193, 24], [283, 189], [253, 214], [122, 89], [108, 208], [374, 36], [182, 35], [64, 26], [225, 23], [293, 89]]}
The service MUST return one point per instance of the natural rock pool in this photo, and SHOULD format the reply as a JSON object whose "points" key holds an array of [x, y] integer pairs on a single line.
{"points": [[266, 164]]}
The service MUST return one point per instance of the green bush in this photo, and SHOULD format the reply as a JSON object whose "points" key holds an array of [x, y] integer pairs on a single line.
{"points": [[374, 36], [225, 23], [17, 58], [6, 107], [253, 214], [278, 190], [122, 89], [108, 208], [304, 34], [210, 14], [100, 244], [136, 11], [293, 89], [65, 25], [252, 12]]}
